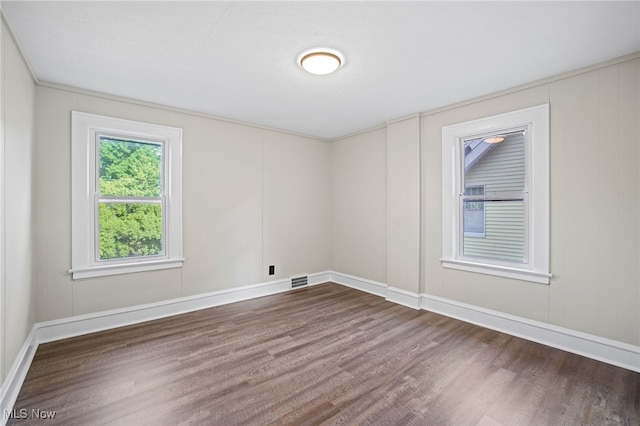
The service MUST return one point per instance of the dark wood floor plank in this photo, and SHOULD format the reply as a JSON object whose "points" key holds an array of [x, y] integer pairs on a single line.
{"points": [[325, 354]]}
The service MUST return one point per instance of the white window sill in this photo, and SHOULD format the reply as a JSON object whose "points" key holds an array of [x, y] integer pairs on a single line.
{"points": [[500, 271], [125, 268]]}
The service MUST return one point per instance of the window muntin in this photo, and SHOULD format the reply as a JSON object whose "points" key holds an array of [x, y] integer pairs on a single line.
{"points": [[523, 191], [126, 196]]}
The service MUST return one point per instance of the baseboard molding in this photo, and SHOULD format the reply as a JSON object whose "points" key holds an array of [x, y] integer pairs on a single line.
{"points": [[319, 278], [49, 331], [392, 294], [13, 382], [605, 350], [403, 297], [366, 285], [84, 324], [599, 348]]}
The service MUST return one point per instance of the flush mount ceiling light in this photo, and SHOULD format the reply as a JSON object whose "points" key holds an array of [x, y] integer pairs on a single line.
{"points": [[320, 61], [494, 139]]}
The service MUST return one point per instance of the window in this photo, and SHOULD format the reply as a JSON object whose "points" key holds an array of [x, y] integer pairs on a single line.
{"points": [[473, 221], [126, 196], [496, 195]]}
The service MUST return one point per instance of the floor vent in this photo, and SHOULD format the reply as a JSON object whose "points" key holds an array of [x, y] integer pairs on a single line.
{"points": [[297, 282]]}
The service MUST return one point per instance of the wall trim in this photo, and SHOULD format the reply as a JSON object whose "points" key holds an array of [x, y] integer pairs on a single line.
{"points": [[403, 118], [15, 40], [13, 382], [599, 348], [319, 278], [78, 325], [169, 108], [358, 133], [403, 297], [588, 345], [358, 283], [514, 89], [536, 83]]}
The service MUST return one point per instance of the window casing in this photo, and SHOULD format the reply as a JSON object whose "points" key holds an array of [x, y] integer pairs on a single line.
{"points": [[508, 157], [126, 196]]}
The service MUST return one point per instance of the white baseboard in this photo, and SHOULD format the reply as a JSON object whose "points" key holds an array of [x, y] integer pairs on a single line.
{"points": [[49, 331], [13, 382], [369, 286], [403, 297], [392, 294], [319, 278], [84, 324], [599, 348]]}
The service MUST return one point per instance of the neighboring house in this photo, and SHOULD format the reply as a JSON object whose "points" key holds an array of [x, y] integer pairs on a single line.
{"points": [[494, 198]]}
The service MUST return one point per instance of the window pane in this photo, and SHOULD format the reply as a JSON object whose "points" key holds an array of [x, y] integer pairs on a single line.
{"points": [[504, 233], [130, 230], [129, 168], [493, 220], [498, 166]]}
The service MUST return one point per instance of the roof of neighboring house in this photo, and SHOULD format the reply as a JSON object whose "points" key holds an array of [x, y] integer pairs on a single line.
{"points": [[475, 150]]}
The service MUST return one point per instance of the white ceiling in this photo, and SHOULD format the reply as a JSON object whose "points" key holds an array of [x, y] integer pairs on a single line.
{"points": [[237, 60]]}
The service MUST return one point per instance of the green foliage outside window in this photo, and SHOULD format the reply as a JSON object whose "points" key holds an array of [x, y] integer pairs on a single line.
{"points": [[130, 227]]}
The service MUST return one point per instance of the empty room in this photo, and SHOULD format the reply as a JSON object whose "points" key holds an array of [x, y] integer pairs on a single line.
{"points": [[300, 213]]}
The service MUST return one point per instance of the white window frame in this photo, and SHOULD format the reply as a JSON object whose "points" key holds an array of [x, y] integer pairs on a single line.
{"points": [[85, 261], [536, 264]]}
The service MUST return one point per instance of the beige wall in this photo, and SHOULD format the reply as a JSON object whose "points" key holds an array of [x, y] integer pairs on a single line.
{"points": [[403, 184], [595, 199], [251, 198], [255, 197], [595, 192], [297, 205], [514, 297], [359, 206], [18, 304]]}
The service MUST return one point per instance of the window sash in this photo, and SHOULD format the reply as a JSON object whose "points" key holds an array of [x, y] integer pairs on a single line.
{"points": [[466, 194], [86, 199], [164, 166], [513, 197], [536, 193], [161, 201]]}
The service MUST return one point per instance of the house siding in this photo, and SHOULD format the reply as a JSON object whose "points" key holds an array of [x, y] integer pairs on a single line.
{"points": [[502, 169]]}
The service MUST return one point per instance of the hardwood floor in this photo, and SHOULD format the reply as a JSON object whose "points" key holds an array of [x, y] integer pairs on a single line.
{"points": [[325, 354]]}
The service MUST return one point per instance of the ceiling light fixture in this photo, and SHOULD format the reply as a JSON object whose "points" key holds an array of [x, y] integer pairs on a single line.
{"points": [[494, 139], [320, 61]]}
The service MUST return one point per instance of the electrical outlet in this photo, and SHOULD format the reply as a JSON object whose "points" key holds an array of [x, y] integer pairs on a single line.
{"points": [[272, 269]]}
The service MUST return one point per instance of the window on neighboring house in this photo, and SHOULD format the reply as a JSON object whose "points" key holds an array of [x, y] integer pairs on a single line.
{"points": [[126, 196], [496, 195], [473, 220]]}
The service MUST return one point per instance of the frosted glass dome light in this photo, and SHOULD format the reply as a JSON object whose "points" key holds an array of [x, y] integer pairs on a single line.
{"points": [[320, 62]]}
